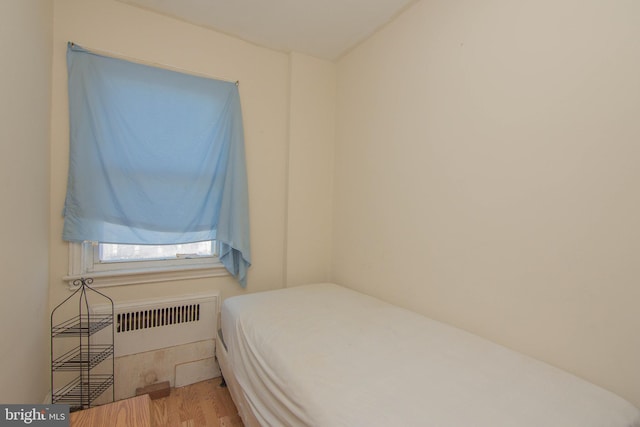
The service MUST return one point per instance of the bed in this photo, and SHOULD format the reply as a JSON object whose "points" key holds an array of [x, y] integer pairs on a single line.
{"points": [[323, 355]]}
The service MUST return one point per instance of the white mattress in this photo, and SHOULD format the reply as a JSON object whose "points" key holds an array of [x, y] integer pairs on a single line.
{"points": [[323, 355]]}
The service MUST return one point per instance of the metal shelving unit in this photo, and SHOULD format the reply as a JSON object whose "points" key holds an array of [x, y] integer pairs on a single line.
{"points": [[75, 360]]}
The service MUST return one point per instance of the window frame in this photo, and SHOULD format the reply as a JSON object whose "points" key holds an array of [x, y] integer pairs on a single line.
{"points": [[81, 264]]}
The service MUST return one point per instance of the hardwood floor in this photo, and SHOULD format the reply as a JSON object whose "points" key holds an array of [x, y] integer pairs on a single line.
{"points": [[196, 405]]}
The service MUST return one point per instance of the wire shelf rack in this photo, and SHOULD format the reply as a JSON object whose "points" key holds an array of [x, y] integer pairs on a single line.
{"points": [[78, 346]]}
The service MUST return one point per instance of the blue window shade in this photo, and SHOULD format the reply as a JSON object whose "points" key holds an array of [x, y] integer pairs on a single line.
{"points": [[156, 157]]}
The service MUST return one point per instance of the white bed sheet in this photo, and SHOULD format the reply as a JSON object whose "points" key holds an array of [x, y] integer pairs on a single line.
{"points": [[322, 355]]}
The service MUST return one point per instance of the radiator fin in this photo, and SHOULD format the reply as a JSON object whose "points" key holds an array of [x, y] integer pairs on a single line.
{"points": [[156, 317]]}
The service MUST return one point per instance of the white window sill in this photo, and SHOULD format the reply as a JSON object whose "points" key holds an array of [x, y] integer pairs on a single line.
{"points": [[103, 279]]}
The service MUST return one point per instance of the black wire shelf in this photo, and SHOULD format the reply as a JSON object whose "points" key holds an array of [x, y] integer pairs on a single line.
{"points": [[84, 356], [81, 392], [82, 325]]}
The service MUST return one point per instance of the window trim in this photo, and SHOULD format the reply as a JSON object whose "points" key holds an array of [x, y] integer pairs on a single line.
{"points": [[79, 252]]}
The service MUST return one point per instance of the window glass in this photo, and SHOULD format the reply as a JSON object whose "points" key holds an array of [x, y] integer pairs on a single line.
{"points": [[109, 252]]}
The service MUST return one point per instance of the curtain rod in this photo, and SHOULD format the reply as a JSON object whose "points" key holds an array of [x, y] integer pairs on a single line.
{"points": [[153, 64]]}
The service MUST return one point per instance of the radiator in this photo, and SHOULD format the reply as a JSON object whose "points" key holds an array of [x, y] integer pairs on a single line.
{"points": [[152, 324]]}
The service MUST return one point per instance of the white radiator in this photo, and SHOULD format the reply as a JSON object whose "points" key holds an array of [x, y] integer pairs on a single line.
{"points": [[152, 324]]}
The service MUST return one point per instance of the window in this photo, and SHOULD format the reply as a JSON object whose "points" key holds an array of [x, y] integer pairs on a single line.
{"points": [[112, 253], [115, 257], [119, 264], [156, 162]]}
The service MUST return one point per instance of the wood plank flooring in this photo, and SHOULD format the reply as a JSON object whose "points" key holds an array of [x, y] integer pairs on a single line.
{"points": [[204, 404]]}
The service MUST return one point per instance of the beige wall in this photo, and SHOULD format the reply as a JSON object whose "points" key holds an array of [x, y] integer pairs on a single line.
{"points": [[487, 175], [485, 170], [311, 152], [285, 97], [25, 85], [112, 26]]}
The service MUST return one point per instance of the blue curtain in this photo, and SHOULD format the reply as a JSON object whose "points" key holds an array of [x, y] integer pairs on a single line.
{"points": [[156, 157]]}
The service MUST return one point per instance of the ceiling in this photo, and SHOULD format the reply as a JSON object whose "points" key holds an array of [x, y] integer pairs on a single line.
{"points": [[321, 28]]}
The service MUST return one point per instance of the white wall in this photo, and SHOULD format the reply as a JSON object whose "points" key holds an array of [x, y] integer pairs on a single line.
{"points": [[25, 85], [107, 25], [311, 152], [487, 175]]}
